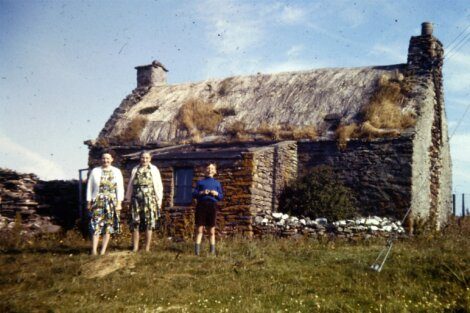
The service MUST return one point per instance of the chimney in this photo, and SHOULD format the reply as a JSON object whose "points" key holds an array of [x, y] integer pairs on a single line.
{"points": [[425, 52], [151, 75]]}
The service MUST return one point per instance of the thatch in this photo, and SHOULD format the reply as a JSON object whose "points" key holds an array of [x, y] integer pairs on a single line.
{"points": [[296, 99]]}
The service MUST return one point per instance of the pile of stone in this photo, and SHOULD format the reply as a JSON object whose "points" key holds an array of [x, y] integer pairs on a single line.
{"points": [[19, 206], [281, 224]]}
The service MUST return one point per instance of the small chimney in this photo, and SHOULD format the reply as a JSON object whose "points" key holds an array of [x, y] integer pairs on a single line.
{"points": [[151, 75], [425, 52], [426, 29]]}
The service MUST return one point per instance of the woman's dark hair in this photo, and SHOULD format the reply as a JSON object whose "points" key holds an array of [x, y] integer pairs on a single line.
{"points": [[110, 152], [144, 152]]}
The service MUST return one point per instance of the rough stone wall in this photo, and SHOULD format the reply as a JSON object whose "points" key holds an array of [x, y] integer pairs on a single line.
{"points": [[432, 177], [262, 189], [378, 171], [285, 170], [274, 167], [235, 176]]}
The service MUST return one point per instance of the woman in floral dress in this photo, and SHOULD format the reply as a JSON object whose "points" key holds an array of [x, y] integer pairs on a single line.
{"points": [[145, 192], [105, 192]]}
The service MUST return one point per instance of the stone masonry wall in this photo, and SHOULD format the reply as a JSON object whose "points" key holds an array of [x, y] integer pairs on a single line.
{"points": [[234, 211], [275, 166], [286, 168], [378, 171], [432, 177]]}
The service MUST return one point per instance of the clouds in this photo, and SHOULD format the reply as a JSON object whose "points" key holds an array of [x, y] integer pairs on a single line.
{"points": [[22, 159], [460, 151], [231, 27], [394, 52], [457, 72], [292, 15]]}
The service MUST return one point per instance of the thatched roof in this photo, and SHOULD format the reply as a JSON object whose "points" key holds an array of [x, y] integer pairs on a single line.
{"points": [[292, 98]]}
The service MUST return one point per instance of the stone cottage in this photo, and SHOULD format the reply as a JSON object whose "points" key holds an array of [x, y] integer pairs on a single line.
{"points": [[381, 128]]}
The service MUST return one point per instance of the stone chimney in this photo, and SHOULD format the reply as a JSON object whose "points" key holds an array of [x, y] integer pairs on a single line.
{"points": [[425, 52], [151, 75]]}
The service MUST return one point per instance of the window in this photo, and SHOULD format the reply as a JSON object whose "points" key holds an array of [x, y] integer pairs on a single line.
{"points": [[183, 186]]}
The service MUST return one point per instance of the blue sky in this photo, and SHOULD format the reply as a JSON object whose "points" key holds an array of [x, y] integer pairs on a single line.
{"points": [[66, 65]]}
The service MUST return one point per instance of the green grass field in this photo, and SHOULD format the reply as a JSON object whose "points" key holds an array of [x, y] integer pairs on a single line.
{"points": [[429, 273]]}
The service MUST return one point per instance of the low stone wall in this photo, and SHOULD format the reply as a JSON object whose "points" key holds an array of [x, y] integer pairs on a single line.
{"points": [[283, 225]]}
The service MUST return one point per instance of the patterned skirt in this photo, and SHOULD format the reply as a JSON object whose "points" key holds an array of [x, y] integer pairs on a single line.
{"points": [[144, 209], [103, 216]]}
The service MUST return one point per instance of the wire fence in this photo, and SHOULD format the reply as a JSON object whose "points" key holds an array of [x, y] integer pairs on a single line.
{"points": [[461, 204]]}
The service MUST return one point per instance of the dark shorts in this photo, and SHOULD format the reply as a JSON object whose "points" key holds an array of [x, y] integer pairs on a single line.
{"points": [[206, 213]]}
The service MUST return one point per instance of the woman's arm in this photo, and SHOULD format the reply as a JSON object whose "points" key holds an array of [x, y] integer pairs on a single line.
{"points": [[89, 187], [158, 185]]}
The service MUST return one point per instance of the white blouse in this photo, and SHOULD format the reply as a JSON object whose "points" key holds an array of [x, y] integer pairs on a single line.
{"points": [[157, 184], [93, 185]]}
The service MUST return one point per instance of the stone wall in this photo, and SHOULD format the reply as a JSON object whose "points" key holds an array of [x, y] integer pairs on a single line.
{"points": [[274, 167], [432, 177], [378, 171], [235, 175]]}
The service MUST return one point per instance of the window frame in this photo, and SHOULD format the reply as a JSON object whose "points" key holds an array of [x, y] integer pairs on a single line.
{"points": [[184, 199]]}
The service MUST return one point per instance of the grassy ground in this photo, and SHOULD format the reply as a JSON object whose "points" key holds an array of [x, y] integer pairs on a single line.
{"points": [[429, 273]]}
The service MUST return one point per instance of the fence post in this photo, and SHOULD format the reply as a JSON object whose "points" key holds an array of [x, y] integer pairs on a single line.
{"points": [[463, 205], [453, 205], [80, 191]]}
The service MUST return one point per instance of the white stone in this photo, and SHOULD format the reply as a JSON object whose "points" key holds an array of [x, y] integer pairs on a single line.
{"points": [[342, 223], [280, 223], [265, 221], [285, 216], [371, 221], [277, 215], [258, 219], [303, 222], [387, 228], [373, 228]]}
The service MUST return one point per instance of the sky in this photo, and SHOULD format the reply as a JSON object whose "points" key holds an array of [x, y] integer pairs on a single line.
{"points": [[66, 65]]}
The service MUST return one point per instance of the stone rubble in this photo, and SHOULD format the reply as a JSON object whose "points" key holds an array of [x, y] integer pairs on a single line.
{"points": [[283, 225]]}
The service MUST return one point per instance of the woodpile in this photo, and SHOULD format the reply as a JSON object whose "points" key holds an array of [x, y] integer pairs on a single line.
{"points": [[31, 205]]}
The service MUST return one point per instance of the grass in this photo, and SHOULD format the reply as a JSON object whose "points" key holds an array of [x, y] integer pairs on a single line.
{"points": [[384, 115], [199, 117], [238, 131], [429, 273], [134, 130]]}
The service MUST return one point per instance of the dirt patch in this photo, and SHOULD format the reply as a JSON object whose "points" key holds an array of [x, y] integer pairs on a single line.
{"points": [[107, 264]]}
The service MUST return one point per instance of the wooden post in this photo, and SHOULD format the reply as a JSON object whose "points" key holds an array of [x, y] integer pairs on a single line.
{"points": [[463, 205], [453, 205], [80, 192]]}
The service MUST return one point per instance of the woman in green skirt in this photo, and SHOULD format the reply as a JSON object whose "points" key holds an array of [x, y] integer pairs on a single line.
{"points": [[145, 193]]}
